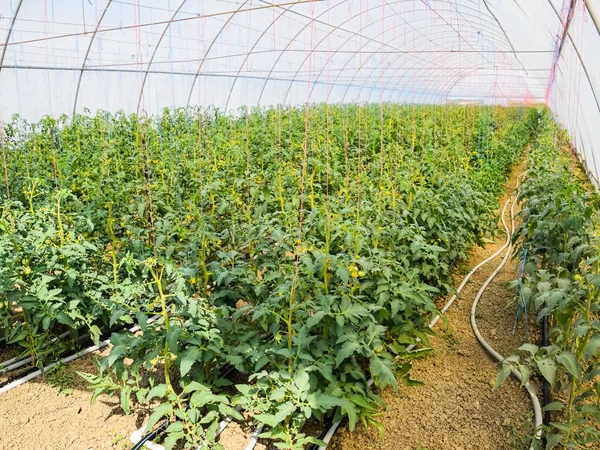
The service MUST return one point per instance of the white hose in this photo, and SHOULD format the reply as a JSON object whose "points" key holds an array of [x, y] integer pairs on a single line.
{"points": [[254, 439], [531, 389], [77, 355], [16, 362]]}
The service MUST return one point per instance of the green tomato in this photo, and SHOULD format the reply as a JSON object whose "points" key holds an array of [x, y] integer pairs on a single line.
{"points": [[27, 270], [25, 261]]}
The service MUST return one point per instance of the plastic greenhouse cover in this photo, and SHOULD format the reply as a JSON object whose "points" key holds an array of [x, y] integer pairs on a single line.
{"points": [[66, 56]]}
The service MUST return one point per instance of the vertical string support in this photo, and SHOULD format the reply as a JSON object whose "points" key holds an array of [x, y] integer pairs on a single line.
{"points": [[302, 194], [4, 159]]}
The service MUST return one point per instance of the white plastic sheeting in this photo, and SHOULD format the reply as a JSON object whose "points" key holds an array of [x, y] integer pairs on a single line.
{"points": [[65, 56]]}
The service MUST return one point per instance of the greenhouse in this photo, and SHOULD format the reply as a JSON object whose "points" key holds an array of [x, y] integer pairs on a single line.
{"points": [[310, 224]]}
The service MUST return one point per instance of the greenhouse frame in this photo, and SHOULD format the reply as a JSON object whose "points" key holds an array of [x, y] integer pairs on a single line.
{"points": [[300, 224]]}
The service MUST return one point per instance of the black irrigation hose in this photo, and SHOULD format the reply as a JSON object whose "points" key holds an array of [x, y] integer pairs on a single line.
{"points": [[328, 425], [22, 360], [10, 379], [547, 398], [160, 429], [153, 434]]}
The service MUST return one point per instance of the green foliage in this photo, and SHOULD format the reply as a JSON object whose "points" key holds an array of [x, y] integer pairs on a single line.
{"points": [[304, 248], [562, 281]]}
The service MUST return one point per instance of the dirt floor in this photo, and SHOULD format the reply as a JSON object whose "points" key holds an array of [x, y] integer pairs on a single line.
{"points": [[55, 413], [457, 408]]}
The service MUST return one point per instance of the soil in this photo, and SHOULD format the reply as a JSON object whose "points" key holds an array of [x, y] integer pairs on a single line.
{"points": [[37, 416], [236, 437], [456, 407]]}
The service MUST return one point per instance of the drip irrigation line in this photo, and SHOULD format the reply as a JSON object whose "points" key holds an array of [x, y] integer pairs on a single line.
{"points": [[68, 359], [531, 388], [19, 361], [27, 359], [546, 386], [11, 364], [254, 439], [145, 441], [12, 378]]}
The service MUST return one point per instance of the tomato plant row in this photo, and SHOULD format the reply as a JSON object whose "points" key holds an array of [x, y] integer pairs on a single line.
{"points": [[560, 246], [302, 246]]}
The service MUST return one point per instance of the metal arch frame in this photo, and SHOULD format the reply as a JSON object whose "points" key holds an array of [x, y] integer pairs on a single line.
{"points": [[385, 3], [393, 75], [341, 2], [459, 74], [579, 55], [487, 6], [469, 73], [584, 161], [576, 49], [10, 29], [206, 53], [87, 54], [370, 40], [365, 62], [443, 94], [395, 72], [426, 89], [210, 48], [440, 93], [481, 22], [183, 2], [401, 91], [273, 22], [352, 35], [462, 15], [446, 21], [385, 89], [385, 86], [413, 66], [482, 19], [312, 50]]}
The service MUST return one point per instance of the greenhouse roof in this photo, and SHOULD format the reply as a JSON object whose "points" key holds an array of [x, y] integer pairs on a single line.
{"points": [[69, 56]]}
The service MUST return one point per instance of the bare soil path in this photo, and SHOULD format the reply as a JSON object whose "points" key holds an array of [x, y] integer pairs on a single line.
{"points": [[36, 416]]}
